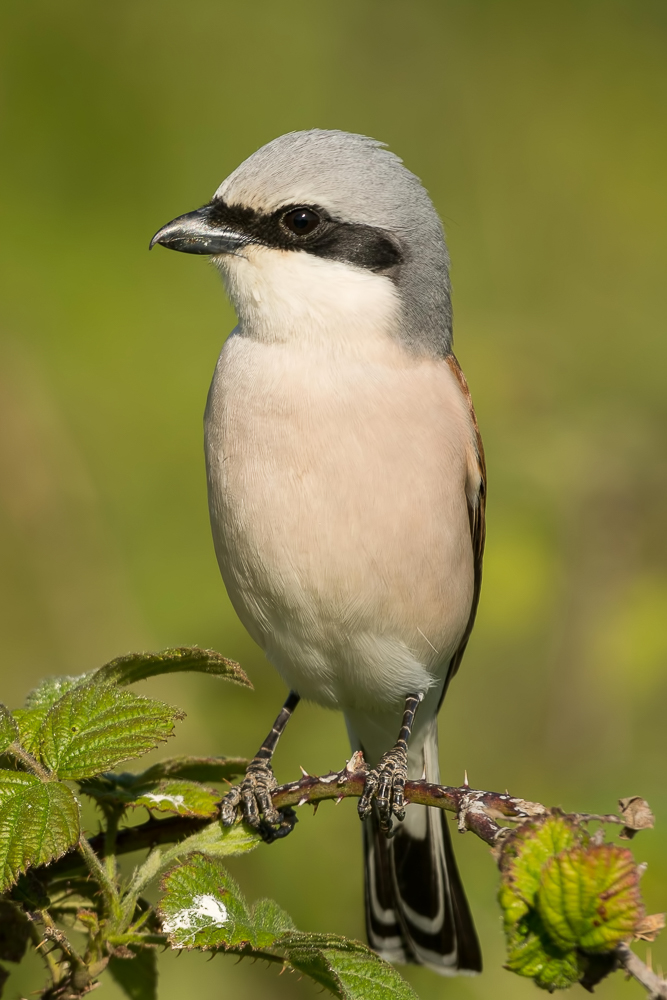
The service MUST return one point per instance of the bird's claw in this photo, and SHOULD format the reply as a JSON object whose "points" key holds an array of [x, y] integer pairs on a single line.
{"points": [[385, 786], [252, 797]]}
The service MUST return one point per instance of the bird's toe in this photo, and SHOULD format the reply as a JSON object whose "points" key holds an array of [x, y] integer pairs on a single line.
{"points": [[252, 798], [385, 786]]}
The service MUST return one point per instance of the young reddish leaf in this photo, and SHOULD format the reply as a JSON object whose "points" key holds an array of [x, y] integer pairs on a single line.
{"points": [[589, 898], [526, 851], [565, 904]]}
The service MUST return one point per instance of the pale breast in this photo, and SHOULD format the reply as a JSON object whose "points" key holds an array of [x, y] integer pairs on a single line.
{"points": [[337, 490]]}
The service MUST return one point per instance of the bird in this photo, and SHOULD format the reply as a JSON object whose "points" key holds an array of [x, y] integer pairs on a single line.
{"points": [[347, 491]]}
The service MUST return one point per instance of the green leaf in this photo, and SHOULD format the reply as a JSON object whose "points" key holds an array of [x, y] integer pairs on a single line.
{"points": [[137, 976], [589, 898], [213, 769], [39, 821], [51, 690], [14, 932], [202, 907], [313, 963], [124, 788], [524, 855], [270, 922], [348, 969], [37, 705], [218, 841], [183, 798], [9, 730], [566, 903], [532, 953], [214, 841], [95, 726], [29, 723], [138, 666]]}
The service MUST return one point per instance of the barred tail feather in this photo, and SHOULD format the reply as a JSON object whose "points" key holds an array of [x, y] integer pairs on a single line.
{"points": [[416, 909]]}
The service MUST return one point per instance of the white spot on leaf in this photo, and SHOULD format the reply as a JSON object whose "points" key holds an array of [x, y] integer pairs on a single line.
{"points": [[206, 911], [157, 798]]}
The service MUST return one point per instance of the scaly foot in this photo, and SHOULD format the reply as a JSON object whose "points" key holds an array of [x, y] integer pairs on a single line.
{"points": [[253, 798], [384, 786]]}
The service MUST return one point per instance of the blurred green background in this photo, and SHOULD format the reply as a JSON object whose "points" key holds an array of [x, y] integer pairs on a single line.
{"points": [[539, 130]]}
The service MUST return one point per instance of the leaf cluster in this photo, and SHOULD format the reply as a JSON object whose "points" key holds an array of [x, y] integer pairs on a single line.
{"points": [[61, 745], [202, 907], [568, 901]]}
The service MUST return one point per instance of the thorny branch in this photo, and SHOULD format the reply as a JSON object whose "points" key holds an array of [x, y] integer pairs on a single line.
{"points": [[480, 812], [475, 810], [655, 985]]}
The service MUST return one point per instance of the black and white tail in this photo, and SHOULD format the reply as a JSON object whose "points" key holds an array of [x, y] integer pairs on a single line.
{"points": [[416, 909]]}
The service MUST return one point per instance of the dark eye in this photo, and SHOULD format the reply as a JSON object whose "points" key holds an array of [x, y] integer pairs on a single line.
{"points": [[301, 221]]}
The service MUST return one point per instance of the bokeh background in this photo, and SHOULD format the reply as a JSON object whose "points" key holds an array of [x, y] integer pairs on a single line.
{"points": [[540, 131]]}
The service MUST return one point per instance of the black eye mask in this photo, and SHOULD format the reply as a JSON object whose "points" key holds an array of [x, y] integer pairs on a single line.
{"points": [[319, 234]]}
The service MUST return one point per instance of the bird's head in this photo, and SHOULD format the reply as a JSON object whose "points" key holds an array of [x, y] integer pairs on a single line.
{"points": [[329, 228]]}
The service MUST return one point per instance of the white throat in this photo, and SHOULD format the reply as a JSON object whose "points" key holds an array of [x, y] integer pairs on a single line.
{"points": [[284, 296]]}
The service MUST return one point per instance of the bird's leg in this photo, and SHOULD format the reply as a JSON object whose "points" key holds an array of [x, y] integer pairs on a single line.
{"points": [[253, 794], [386, 782]]}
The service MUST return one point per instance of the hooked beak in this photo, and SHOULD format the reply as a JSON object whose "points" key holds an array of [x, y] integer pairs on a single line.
{"points": [[197, 232]]}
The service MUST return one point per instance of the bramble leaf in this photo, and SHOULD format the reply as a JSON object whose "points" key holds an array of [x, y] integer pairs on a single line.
{"points": [[531, 953], [270, 922], [524, 854], [213, 769], [125, 787], [51, 690], [39, 821], [589, 898], [348, 969], [95, 726], [37, 704], [138, 666], [566, 903], [216, 841], [29, 723], [9, 730], [184, 798], [203, 907], [137, 976]]}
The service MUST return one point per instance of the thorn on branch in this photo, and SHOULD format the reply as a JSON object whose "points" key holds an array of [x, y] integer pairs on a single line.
{"points": [[654, 984]]}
